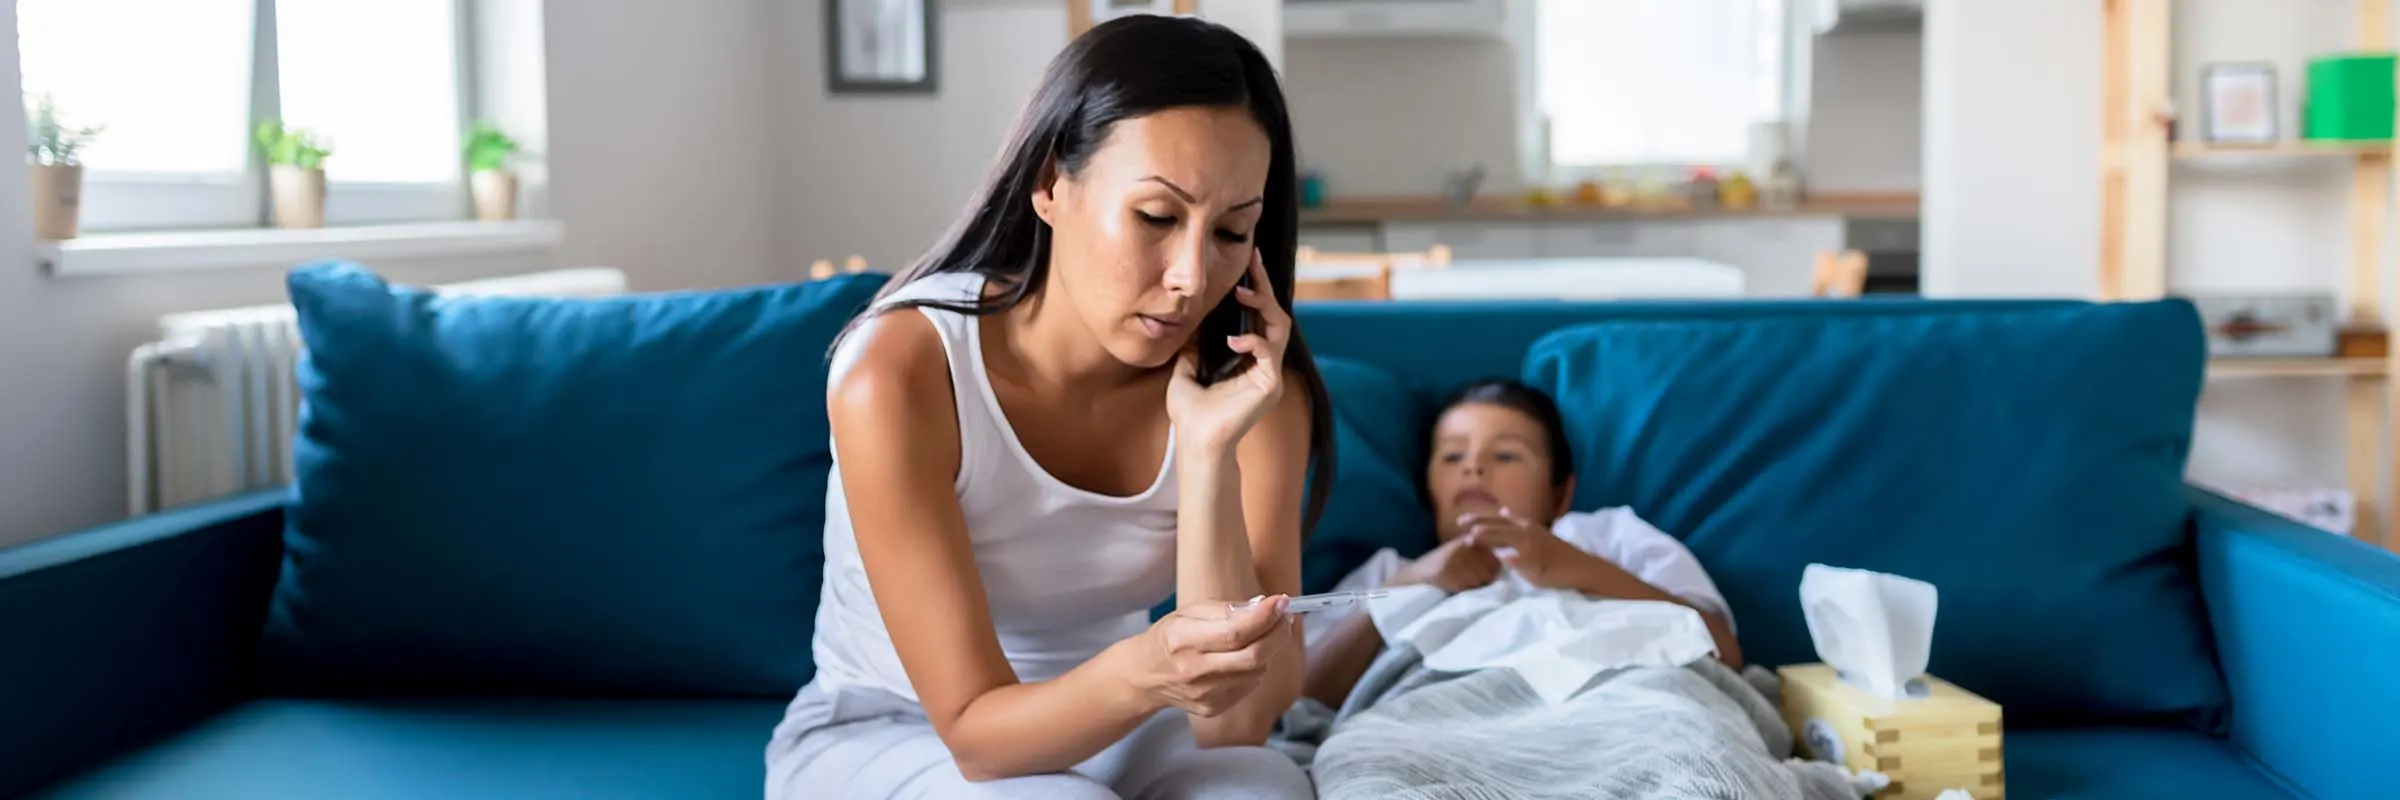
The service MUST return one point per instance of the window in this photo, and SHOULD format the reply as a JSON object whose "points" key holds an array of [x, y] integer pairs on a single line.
{"points": [[1656, 82], [181, 91]]}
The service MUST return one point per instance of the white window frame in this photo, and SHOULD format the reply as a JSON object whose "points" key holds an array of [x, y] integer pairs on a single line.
{"points": [[127, 202], [1533, 140]]}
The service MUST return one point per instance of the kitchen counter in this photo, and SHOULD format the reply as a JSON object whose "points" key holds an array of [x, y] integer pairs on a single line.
{"points": [[1375, 210]]}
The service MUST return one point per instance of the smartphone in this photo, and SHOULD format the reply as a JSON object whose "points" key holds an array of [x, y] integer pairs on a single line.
{"points": [[1323, 602], [1230, 318]]}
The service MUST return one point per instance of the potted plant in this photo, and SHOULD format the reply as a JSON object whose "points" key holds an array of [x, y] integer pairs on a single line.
{"points": [[296, 173], [56, 174], [488, 175]]}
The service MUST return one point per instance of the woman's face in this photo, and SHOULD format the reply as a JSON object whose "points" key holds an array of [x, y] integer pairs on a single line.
{"points": [[1157, 226], [1487, 457]]}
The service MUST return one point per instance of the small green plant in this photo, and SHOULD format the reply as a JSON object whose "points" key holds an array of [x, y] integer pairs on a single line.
{"points": [[298, 147], [51, 143], [487, 148]]}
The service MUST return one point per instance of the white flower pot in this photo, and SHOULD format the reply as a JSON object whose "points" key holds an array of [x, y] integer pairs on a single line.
{"points": [[299, 196], [57, 199], [495, 193]]}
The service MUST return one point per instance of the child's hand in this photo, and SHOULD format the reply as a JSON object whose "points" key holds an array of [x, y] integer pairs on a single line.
{"points": [[1523, 545], [1453, 567]]}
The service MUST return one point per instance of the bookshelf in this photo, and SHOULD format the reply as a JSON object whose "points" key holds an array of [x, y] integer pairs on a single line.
{"points": [[2138, 162]]}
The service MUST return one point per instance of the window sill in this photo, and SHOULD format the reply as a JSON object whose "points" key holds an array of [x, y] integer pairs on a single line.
{"points": [[128, 253]]}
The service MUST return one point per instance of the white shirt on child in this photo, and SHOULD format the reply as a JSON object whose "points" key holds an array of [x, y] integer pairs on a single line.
{"points": [[1614, 534]]}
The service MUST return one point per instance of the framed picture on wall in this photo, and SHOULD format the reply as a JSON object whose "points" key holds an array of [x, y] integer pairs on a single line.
{"points": [[1083, 14], [2238, 103], [880, 46]]}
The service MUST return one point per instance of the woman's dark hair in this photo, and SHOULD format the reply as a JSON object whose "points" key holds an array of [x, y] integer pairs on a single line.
{"points": [[1125, 68], [1516, 396]]}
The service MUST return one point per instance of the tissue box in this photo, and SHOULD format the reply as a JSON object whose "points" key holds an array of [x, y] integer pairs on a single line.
{"points": [[1947, 739]]}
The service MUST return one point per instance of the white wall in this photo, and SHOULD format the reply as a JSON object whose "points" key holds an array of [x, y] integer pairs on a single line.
{"points": [[884, 176], [659, 156], [662, 148], [2012, 207], [1866, 112], [1387, 117]]}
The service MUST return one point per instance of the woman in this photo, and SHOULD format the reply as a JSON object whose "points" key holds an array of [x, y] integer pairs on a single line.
{"points": [[1028, 457]]}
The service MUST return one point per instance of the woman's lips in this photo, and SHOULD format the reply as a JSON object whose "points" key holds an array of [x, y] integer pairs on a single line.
{"points": [[1160, 327]]}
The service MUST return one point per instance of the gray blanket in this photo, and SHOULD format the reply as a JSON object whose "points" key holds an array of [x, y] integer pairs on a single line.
{"points": [[1671, 733]]}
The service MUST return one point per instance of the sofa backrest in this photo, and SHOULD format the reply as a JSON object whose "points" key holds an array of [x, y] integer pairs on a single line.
{"points": [[1437, 345]]}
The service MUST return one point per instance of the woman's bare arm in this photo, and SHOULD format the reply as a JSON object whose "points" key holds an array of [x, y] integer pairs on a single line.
{"points": [[1238, 536], [895, 433]]}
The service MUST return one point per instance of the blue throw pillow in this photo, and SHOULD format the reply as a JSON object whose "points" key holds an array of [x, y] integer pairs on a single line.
{"points": [[620, 496], [2029, 464], [1379, 432]]}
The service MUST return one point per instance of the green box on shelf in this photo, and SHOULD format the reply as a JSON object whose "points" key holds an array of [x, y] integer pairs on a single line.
{"points": [[2349, 97]]}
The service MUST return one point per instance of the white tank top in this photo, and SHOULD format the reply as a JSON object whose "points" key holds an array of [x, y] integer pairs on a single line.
{"points": [[1067, 572]]}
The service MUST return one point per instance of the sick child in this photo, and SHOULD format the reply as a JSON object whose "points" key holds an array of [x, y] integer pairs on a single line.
{"points": [[1499, 483]]}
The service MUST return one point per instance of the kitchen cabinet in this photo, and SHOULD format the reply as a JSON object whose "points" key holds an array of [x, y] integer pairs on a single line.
{"points": [[1354, 19], [1467, 240], [1617, 239], [1342, 238], [1776, 254]]}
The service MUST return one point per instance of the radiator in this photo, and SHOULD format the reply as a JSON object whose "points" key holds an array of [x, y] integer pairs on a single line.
{"points": [[212, 405]]}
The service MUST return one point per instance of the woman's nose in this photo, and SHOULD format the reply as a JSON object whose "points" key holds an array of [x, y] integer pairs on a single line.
{"points": [[1187, 271]]}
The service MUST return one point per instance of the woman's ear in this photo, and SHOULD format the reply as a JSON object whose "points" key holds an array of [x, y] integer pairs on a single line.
{"points": [[1045, 193], [1566, 498]]}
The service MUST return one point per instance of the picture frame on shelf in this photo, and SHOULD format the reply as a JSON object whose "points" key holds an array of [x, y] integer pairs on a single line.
{"points": [[881, 46], [2239, 104]]}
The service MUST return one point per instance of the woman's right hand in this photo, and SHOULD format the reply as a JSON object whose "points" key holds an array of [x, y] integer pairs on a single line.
{"points": [[1206, 658], [1454, 567]]}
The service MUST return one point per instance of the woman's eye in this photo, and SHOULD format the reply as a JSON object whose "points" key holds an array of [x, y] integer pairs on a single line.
{"points": [[1505, 458], [1229, 237], [1451, 458], [1154, 220]]}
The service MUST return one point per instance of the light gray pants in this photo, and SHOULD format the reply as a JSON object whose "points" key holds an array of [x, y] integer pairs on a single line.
{"points": [[874, 745]]}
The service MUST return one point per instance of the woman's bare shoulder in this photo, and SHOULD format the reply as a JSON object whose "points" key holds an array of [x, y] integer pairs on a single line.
{"points": [[892, 368]]}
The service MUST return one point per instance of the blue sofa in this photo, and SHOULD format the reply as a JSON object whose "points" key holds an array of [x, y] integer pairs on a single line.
{"points": [[482, 585]]}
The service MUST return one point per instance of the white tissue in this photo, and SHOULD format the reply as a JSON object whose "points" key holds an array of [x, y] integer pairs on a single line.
{"points": [[1558, 641], [1873, 628]]}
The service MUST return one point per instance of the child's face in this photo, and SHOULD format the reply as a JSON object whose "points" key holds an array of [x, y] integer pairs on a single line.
{"points": [[1485, 458]]}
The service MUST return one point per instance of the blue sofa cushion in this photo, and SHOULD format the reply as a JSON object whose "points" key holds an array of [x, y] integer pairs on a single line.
{"points": [[499, 748], [2027, 463], [1379, 452], [2112, 764], [621, 495]]}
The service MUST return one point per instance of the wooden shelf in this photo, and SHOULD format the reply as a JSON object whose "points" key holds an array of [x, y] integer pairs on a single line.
{"points": [[2294, 367], [2286, 149], [2139, 164]]}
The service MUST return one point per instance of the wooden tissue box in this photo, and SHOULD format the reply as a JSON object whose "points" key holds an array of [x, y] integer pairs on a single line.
{"points": [[1947, 739]]}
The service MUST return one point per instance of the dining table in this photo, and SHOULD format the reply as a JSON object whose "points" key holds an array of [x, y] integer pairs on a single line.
{"points": [[1563, 279]]}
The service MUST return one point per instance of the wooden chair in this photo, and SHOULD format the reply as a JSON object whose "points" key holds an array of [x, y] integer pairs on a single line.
{"points": [[1841, 275], [823, 269], [1345, 282]]}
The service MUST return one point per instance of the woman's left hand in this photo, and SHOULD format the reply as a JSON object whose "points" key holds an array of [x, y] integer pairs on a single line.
{"points": [[1524, 546], [1213, 418]]}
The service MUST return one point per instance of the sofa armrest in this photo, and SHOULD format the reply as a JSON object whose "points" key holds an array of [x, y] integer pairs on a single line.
{"points": [[2308, 630], [114, 636]]}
